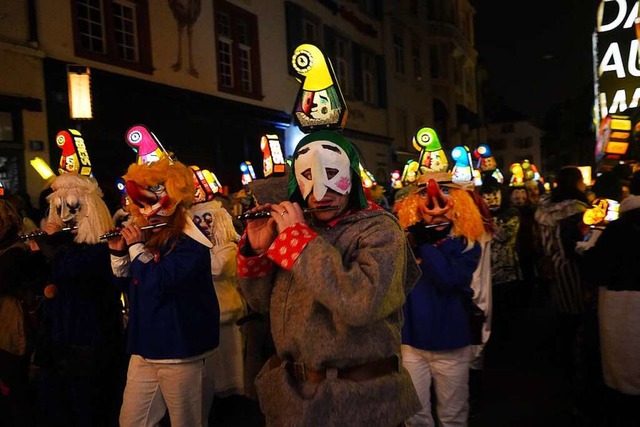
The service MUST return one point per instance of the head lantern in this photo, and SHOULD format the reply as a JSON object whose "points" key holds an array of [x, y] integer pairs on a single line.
{"points": [[319, 104], [432, 156], [325, 160], [156, 184]]}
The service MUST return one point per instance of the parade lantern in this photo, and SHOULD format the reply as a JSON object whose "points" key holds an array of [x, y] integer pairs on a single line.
{"points": [[517, 175], [366, 177], [79, 85], [462, 171], [74, 157], [1, 189], [146, 145], [43, 169], [486, 163], [396, 181], [205, 187], [613, 138], [248, 174], [319, 104], [602, 212], [410, 172], [432, 156], [273, 162]]}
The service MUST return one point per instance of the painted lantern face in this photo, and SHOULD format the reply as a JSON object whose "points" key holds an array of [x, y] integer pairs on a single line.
{"points": [[322, 165]]}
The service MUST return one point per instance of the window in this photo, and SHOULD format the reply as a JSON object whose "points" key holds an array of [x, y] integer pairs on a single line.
{"points": [[417, 62], [310, 31], [237, 50], [398, 53], [113, 31], [369, 78]]}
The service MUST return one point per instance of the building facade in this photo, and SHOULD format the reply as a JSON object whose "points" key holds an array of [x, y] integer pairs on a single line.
{"points": [[512, 142], [210, 77]]}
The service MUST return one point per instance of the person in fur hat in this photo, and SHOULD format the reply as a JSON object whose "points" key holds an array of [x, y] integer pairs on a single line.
{"points": [[445, 228], [174, 317], [81, 340], [333, 282]]}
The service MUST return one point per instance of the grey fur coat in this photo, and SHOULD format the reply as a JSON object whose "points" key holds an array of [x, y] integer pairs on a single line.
{"points": [[339, 306]]}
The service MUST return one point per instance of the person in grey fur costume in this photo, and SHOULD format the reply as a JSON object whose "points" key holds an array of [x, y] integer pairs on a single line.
{"points": [[334, 284]]}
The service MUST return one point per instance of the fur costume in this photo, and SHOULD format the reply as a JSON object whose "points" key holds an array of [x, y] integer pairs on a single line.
{"points": [[79, 195]]}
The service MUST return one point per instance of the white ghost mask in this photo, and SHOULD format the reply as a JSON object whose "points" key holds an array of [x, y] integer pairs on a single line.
{"points": [[320, 165]]}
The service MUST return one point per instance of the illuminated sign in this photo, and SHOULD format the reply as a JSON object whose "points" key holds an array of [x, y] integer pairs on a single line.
{"points": [[248, 173], [616, 57]]}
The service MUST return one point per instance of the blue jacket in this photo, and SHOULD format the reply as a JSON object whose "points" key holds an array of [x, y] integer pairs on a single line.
{"points": [[173, 308], [435, 313]]}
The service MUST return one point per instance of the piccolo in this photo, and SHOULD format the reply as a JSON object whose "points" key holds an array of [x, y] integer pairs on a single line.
{"points": [[42, 233], [118, 233], [436, 225], [267, 214]]}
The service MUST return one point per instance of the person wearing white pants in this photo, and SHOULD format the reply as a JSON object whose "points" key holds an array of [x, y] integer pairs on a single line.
{"points": [[153, 386], [445, 227], [449, 372]]}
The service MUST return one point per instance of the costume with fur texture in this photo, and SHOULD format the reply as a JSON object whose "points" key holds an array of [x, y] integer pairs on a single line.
{"points": [[81, 326]]}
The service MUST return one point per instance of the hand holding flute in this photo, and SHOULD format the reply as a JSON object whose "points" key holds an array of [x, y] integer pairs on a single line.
{"points": [[120, 240], [268, 220]]}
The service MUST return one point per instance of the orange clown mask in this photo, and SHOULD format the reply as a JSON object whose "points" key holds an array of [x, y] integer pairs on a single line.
{"points": [[158, 188]]}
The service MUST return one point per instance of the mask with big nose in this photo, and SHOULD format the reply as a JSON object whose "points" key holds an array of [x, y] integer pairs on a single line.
{"points": [[437, 204]]}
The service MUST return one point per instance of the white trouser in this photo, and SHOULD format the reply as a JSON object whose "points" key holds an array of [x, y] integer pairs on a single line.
{"points": [[186, 389], [449, 370]]}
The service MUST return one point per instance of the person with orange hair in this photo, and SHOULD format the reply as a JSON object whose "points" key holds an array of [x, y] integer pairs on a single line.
{"points": [[445, 227], [174, 316]]}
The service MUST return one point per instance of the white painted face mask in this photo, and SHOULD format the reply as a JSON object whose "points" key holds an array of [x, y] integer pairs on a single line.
{"points": [[321, 165]]}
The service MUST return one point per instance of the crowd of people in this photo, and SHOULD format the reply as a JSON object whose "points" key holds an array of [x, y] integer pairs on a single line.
{"points": [[333, 308]]}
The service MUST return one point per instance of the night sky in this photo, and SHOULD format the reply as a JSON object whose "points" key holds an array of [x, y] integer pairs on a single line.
{"points": [[537, 53]]}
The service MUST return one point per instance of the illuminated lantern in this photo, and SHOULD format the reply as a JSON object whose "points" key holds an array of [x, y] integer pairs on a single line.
{"points": [[204, 190], [1, 189], [396, 181], [486, 163], [75, 157], [146, 144], [248, 173], [517, 175], [432, 156], [319, 104], [462, 171], [613, 137], [410, 172], [366, 177], [79, 84], [601, 212], [272, 159], [43, 169]]}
